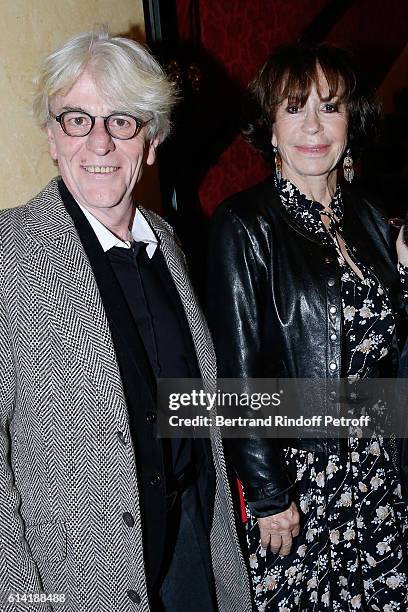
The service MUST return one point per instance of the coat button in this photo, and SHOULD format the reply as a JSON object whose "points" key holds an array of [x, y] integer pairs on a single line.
{"points": [[121, 437], [128, 519], [331, 282], [328, 260], [332, 309], [332, 395], [333, 337], [133, 596], [333, 366], [155, 480], [151, 418]]}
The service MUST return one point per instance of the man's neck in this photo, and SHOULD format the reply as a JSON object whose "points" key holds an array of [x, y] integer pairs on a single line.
{"points": [[117, 219]]}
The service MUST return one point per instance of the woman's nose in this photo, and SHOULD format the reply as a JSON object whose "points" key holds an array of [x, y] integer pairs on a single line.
{"points": [[311, 123]]}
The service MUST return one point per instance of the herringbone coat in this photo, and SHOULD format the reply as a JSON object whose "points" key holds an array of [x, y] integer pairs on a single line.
{"points": [[66, 475]]}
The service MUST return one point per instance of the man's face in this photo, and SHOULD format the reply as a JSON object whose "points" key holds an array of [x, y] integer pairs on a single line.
{"points": [[100, 171]]}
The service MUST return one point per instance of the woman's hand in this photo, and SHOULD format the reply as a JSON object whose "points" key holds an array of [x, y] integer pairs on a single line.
{"points": [[402, 248], [278, 530]]}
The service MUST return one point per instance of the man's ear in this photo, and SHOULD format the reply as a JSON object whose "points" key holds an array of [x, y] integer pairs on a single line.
{"points": [[51, 142], [151, 153]]}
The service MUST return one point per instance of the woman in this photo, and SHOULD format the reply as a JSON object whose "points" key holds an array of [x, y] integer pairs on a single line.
{"points": [[303, 284]]}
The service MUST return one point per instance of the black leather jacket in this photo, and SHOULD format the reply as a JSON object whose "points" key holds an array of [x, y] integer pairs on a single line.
{"points": [[274, 308]]}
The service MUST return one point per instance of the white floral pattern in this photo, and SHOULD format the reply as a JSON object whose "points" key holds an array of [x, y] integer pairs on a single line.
{"points": [[352, 556], [403, 272]]}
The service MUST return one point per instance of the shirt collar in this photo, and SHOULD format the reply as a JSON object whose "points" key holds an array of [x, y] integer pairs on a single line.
{"points": [[307, 213], [141, 232]]}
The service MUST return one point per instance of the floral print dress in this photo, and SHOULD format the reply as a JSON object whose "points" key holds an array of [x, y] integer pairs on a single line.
{"points": [[352, 551]]}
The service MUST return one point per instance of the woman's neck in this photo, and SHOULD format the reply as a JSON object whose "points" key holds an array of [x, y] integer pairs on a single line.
{"points": [[317, 188]]}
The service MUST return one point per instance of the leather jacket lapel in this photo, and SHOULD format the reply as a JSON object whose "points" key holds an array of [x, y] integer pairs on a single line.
{"points": [[363, 233]]}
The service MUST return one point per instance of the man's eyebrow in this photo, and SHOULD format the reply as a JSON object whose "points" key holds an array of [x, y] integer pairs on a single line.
{"points": [[65, 109], [78, 109]]}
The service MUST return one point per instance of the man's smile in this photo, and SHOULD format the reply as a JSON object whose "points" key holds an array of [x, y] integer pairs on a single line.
{"points": [[100, 169]]}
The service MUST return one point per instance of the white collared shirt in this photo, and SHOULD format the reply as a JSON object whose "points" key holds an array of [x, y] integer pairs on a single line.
{"points": [[141, 232]]}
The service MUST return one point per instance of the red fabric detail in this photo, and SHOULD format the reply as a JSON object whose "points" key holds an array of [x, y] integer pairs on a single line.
{"points": [[183, 19], [376, 32], [240, 35], [241, 502], [238, 167]]}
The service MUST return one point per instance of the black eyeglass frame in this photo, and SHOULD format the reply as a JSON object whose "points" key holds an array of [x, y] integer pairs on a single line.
{"points": [[139, 124]]}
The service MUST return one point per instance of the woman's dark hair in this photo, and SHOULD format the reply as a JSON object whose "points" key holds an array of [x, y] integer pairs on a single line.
{"points": [[290, 73]]}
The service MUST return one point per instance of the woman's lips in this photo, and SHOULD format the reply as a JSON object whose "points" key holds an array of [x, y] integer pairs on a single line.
{"points": [[312, 149]]}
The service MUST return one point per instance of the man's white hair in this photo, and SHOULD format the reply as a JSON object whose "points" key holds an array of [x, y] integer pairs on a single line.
{"points": [[125, 73]]}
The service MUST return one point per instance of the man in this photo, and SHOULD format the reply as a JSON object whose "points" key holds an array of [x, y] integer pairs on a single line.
{"points": [[96, 512]]}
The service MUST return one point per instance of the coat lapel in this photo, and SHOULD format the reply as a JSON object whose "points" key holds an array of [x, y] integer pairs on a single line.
{"points": [[58, 255], [122, 325]]}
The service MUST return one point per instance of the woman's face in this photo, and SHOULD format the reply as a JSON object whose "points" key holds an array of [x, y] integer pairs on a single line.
{"points": [[311, 139]]}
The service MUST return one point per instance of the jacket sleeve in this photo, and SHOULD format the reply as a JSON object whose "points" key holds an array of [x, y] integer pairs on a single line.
{"points": [[236, 292], [18, 571]]}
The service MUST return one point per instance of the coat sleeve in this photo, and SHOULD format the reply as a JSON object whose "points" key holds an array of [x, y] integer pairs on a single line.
{"points": [[236, 293], [18, 571]]}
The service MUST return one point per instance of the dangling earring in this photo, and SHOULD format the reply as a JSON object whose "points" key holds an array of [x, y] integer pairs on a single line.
{"points": [[278, 164], [348, 168]]}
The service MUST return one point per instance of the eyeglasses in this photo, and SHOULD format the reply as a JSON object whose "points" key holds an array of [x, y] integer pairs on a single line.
{"points": [[118, 125]]}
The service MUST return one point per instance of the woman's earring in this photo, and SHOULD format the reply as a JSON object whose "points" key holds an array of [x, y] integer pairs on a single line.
{"points": [[348, 168], [278, 164]]}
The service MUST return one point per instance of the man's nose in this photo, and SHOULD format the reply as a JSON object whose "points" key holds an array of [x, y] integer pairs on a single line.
{"points": [[99, 140]]}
